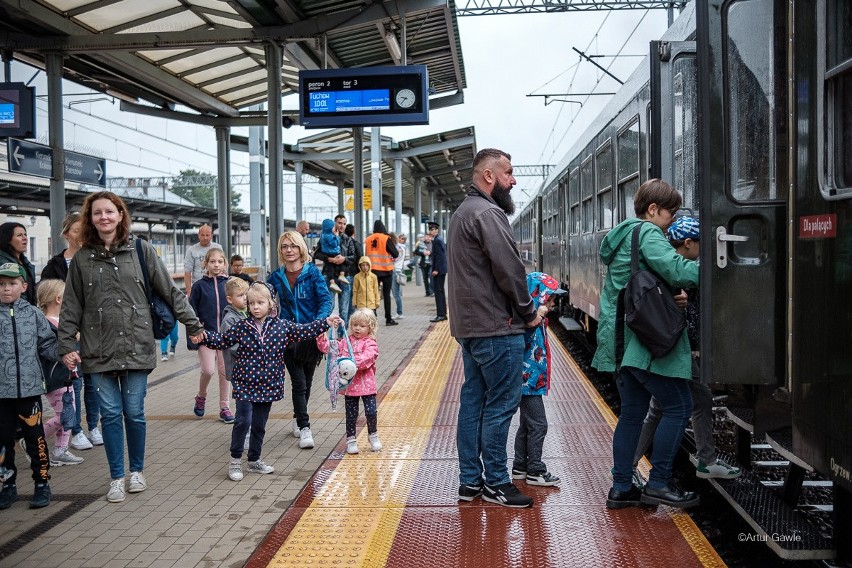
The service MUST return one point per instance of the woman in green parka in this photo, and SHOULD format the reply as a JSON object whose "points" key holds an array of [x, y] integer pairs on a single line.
{"points": [[640, 376]]}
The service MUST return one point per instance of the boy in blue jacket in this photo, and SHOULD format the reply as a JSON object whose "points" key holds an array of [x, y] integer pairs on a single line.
{"points": [[529, 440], [25, 335]]}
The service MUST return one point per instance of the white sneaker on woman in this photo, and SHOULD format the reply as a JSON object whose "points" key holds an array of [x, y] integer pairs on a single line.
{"points": [[306, 439], [95, 437], [137, 482], [80, 442], [116, 491]]}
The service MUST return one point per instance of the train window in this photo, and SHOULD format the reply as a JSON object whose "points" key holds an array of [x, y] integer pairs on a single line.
{"points": [[838, 91], [587, 190], [686, 129], [574, 199], [749, 75], [627, 157], [603, 177]]}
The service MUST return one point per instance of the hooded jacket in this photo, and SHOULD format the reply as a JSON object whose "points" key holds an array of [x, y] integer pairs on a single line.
{"points": [[308, 300], [366, 352], [365, 288], [208, 299], [105, 301], [230, 318], [658, 255], [25, 334], [380, 249], [487, 290]]}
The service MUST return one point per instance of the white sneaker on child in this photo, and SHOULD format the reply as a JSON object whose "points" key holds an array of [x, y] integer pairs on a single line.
{"points": [[343, 279], [235, 469], [375, 444], [80, 442], [351, 445], [334, 287], [164, 357], [260, 467], [95, 437], [61, 456]]}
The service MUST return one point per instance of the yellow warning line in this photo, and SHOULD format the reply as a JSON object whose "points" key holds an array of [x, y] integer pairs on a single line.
{"points": [[353, 519], [704, 551]]}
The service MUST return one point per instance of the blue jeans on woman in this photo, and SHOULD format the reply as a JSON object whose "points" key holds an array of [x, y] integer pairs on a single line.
{"points": [[121, 395], [90, 397], [396, 290], [636, 387], [489, 398]]}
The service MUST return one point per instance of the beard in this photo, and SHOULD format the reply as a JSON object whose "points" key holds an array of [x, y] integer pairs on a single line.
{"points": [[501, 194]]}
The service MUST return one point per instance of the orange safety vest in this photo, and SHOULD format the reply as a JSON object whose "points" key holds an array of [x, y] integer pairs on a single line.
{"points": [[376, 247]]}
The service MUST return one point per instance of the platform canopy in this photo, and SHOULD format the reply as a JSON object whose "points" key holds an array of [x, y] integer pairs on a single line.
{"points": [[209, 55]]}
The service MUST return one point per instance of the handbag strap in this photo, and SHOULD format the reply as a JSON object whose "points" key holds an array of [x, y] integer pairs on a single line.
{"points": [[619, 305], [634, 249], [144, 266], [348, 345]]}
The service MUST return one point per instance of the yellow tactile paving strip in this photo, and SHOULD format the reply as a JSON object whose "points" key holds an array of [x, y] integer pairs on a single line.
{"points": [[374, 487], [704, 551]]}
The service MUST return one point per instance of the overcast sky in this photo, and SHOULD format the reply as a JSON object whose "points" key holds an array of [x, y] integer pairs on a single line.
{"points": [[506, 58]]}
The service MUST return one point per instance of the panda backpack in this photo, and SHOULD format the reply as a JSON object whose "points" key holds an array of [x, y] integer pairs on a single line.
{"points": [[340, 367]]}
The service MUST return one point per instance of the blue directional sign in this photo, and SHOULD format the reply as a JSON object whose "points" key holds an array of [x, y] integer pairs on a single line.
{"points": [[37, 160]]}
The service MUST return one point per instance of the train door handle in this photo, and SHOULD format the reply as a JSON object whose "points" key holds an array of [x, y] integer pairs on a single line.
{"points": [[722, 240]]}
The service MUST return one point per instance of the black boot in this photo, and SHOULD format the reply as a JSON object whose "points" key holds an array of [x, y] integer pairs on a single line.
{"points": [[670, 496]]}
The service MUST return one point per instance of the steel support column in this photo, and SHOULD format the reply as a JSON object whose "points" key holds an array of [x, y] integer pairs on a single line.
{"points": [[223, 212], [274, 61], [53, 67], [257, 218], [376, 170], [358, 178], [300, 166], [397, 194]]}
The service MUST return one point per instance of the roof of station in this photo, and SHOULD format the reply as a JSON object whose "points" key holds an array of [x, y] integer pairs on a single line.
{"points": [[209, 55], [444, 162]]}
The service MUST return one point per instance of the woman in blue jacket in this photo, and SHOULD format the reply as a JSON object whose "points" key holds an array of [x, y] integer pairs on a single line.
{"points": [[304, 297]]}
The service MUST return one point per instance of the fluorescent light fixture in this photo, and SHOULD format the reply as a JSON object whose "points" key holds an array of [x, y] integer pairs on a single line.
{"points": [[393, 47]]}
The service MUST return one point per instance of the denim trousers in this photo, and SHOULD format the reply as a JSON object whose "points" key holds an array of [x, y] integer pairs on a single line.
{"points": [[396, 290], [253, 416], [530, 437], [636, 387], [702, 424], [172, 338], [490, 396], [90, 398], [344, 302], [427, 278], [122, 400]]}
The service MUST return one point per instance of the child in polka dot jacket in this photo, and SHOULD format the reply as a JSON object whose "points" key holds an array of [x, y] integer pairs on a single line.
{"points": [[362, 336], [258, 377]]}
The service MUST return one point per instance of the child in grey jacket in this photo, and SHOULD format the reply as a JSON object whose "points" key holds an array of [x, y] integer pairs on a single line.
{"points": [[25, 335]]}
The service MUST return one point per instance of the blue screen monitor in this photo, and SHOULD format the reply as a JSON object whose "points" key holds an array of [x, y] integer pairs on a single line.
{"points": [[370, 96], [17, 110]]}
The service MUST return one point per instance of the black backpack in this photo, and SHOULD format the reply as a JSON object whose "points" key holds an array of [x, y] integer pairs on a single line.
{"points": [[647, 307]]}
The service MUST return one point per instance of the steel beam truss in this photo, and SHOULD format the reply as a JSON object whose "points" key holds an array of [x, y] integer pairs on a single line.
{"points": [[495, 7]]}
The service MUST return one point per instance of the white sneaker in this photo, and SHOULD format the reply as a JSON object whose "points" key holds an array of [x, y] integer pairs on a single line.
{"points": [[171, 354], [80, 442], [260, 467], [306, 439], [95, 437], [116, 491], [375, 444], [334, 287], [235, 469], [164, 357], [61, 456], [343, 279], [137, 482], [297, 432], [400, 316], [351, 445]]}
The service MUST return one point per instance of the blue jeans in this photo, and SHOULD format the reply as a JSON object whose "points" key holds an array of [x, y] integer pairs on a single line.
{"points": [[396, 290], [344, 301], [489, 398], [636, 387], [90, 397], [172, 338], [122, 399]]}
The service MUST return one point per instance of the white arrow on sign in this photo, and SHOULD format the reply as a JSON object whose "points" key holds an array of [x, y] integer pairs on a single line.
{"points": [[99, 171], [17, 156]]}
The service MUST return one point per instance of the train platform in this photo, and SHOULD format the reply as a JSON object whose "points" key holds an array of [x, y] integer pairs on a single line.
{"points": [[322, 507]]}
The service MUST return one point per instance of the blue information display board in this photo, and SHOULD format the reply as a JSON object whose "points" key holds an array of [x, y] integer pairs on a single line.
{"points": [[370, 96]]}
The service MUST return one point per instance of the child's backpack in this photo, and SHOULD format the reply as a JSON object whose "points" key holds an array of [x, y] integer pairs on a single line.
{"points": [[340, 367]]}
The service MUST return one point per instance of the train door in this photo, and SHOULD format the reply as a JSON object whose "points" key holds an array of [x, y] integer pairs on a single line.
{"points": [[743, 177]]}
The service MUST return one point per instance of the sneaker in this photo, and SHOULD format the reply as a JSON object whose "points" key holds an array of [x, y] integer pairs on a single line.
{"points": [[164, 357], [171, 354], [351, 445], [260, 467], [41, 496], [8, 495], [506, 495], [543, 479], [375, 443], [400, 316], [343, 279], [297, 432], [470, 492], [306, 439], [137, 482], [235, 469], [199, 406], [334, 287], [95, 437], [116, 491], [519, 473], [80, 442], [226, 416], [61, 456], [717, 470]]}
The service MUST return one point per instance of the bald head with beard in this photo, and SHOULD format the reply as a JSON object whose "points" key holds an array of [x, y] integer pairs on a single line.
{"points": [[492, 174]]}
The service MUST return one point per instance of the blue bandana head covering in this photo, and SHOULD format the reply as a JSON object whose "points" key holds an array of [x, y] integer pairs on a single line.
{"points": [[683, 228], [541, 287]]}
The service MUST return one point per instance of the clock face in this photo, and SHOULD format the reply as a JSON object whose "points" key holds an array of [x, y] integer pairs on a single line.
{"points": [[405, 98]]}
